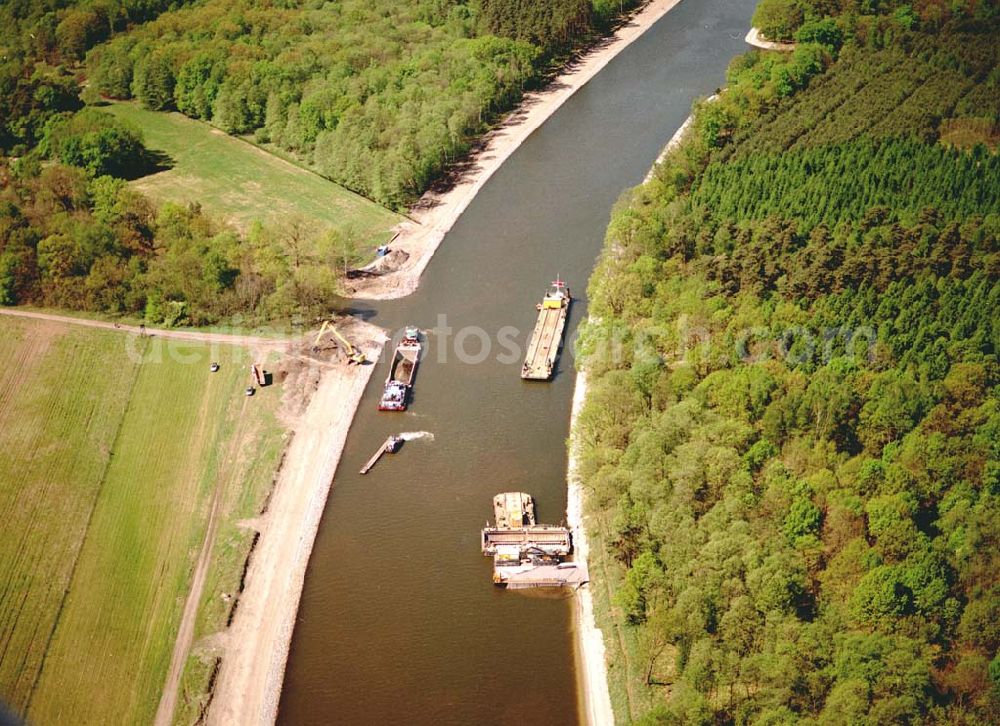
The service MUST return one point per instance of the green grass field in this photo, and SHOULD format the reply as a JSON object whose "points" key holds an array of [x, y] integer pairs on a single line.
{"points": [[242, 183], [112, 449]]}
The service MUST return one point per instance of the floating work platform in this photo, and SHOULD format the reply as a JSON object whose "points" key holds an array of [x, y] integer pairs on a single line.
{"points": [[564, 574], [544, 538], [547, 336], [525, 553], [389, 446]]}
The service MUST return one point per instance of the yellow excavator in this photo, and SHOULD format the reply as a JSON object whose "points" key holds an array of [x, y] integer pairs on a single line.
{"points": [[353, 354]]}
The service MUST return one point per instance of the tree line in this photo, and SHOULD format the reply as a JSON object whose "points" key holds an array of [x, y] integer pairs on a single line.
{"points": [[40, 43], [911, 86], [74, 235], [828, 184], [788, 20], [75, 240]]}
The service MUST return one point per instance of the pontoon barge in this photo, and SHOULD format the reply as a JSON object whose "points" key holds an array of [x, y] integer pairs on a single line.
{"points": [[547, 336]]}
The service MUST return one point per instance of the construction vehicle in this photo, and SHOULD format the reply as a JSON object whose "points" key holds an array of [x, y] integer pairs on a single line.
{"points": [[353, 354], [259, 376]]}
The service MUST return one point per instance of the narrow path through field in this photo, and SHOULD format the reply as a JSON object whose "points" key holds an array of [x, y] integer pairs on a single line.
{"points": [[249, 341], [185, 633]]}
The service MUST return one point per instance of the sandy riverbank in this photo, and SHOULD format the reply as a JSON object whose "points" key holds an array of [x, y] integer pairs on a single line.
{"points": [[674, 140], [436, 212], [754, 38], [255, 647], [592, 673]]}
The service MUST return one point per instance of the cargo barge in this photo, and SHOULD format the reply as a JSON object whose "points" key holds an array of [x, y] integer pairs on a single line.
{"points": [[402, 370], [527, 554], [513, 509], [547, 336]]}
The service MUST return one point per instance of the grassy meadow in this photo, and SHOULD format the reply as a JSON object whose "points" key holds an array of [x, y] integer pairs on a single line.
{"points": [[242, 183], [112, 450]]}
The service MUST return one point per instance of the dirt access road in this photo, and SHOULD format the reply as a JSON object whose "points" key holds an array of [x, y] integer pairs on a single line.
{"points": [[247, 341], [255, 647]]}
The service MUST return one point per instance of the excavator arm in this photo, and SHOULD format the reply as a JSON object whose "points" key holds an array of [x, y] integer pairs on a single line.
{"points": [[353, 354], [326, 324]]}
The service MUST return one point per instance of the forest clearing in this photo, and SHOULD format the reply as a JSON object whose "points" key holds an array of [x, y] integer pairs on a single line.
{"points": [[230, 178], [112, 460]]}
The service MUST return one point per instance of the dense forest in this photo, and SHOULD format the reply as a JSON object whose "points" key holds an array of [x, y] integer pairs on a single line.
{"points": [[40, 42], [791, 439], [378, 95]]}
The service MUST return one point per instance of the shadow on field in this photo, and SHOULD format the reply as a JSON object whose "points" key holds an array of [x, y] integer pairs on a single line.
{"points": [[7, 718], [150, 161]]}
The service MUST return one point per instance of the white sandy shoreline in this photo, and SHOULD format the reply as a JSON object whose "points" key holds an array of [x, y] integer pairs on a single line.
{"points": [[436, 213], [757, 40], [256, 645], [592, 674], [674, 140]]}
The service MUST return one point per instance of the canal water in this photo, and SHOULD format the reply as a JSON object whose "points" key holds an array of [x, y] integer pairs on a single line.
{"points": [[399, 621]]}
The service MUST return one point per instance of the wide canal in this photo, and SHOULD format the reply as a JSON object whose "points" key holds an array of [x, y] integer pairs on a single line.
{"points": [[399, 621]]}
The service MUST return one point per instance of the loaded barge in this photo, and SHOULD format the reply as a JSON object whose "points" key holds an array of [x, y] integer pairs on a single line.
{"points": [[547, 336], [399, 382], [527, 554]]}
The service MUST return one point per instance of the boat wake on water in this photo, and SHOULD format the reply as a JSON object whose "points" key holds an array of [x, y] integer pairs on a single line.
{"points": [[414, 435]]}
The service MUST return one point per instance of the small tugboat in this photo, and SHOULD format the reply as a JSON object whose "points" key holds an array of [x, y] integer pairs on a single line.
{"points": [[402, 370], [389, 446], [547, 336]]}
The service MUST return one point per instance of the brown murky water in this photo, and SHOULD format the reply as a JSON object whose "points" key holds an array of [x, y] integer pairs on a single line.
{"points": [[399, 622]]}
